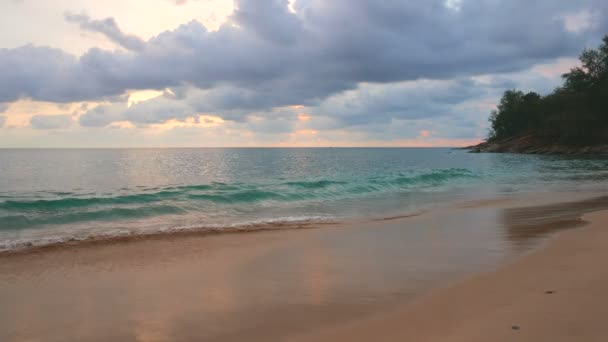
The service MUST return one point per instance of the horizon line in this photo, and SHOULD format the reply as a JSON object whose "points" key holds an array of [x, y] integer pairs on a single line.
{"points": [[212, 147]]}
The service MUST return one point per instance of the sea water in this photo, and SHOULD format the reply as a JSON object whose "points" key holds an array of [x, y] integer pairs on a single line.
{"points": [[51, 196]]}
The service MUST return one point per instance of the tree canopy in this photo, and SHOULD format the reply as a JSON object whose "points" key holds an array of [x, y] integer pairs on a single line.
{"points": [[575, 113]]}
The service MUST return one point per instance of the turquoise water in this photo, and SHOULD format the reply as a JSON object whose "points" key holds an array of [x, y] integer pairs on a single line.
{"points": [[49, 196]]}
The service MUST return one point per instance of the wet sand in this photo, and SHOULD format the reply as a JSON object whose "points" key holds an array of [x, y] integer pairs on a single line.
{"points": [[319, 284], [557, 293]]}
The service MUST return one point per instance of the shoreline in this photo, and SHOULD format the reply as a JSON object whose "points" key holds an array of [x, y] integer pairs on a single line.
{"points": [[275, 284], [551, 293], [27, 247], [582, 201]]}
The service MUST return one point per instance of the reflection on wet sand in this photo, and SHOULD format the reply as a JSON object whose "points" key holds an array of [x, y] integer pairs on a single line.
{"points": [[526, 224]]}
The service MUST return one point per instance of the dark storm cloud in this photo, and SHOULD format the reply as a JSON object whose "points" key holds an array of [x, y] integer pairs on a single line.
{"points": [[275, 57], [51, 121]]}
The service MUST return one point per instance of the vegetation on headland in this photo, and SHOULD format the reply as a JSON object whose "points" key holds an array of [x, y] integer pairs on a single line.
{"points": [[571, 119]]}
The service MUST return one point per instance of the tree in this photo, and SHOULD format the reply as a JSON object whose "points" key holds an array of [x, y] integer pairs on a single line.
{"points": [[517, 113], [575, 113]]}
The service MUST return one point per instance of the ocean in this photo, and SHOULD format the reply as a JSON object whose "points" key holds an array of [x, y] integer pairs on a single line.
{"points": [[51, 196]]}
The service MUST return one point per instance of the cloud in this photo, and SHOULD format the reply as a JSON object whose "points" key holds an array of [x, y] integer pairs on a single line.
{"points": [[581, 21], [269, 20], [3, 107], [267, 56], [410, 100], [103, 115], [454, 112], [457, 107], [48, 74], [108, 28], [51, 121], [2, 120]]}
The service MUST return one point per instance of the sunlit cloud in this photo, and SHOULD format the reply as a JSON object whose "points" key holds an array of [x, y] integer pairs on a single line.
{"points": [[200, 121], [304, 117], [291, 6], [20, 113], [143, 95]]}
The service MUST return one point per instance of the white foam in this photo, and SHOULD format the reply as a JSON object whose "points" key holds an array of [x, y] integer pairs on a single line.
{"points": [[289, 222]]}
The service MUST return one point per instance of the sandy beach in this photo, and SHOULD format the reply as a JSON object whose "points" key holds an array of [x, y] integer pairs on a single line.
{"points": [[556, 293], [402, 278], [303, 171]]}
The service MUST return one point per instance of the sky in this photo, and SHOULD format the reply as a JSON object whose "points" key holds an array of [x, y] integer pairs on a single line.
{"points": [[212, 73]]}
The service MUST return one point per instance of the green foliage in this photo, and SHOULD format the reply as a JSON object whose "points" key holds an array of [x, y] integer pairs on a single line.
{"points": [[576, 113], [517, 113]]}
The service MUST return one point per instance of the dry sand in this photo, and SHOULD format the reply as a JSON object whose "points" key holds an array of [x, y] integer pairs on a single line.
{"points": [[557, 293]]}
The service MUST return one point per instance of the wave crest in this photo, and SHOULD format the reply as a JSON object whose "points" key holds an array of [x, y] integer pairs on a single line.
{"points": [[69, 208]]}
